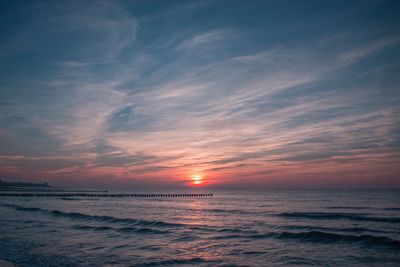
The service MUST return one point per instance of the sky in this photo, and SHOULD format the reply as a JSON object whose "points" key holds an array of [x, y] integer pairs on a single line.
{"points": [[213, 94]]}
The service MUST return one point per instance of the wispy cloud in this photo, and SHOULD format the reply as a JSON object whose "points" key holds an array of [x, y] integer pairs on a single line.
{"points": [[204, 38], [370, 48]]}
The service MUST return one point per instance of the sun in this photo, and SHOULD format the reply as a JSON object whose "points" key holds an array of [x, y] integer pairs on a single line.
{"points": [[197, 179]]}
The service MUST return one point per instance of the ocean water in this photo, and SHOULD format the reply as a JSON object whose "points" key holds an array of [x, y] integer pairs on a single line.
{"points": [[269, 228]]}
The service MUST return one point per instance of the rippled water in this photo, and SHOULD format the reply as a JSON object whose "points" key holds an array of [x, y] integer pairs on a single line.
{"points": [[277, 227]]}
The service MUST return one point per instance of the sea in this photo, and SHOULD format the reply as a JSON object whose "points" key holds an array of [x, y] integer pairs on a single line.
{"points": [[232, 228]]}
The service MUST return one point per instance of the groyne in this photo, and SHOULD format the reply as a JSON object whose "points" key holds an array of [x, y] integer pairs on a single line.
{"points": [[101, 195]]}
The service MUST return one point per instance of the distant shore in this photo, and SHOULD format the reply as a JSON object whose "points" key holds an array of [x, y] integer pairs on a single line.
{"points": [[4, 184], [4, 263]]}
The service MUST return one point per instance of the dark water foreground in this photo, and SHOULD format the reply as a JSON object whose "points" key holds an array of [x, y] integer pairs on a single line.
{"points": [[271, 228]]}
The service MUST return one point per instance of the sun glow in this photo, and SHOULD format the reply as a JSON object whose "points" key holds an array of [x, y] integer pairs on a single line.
{"points": [[197, 179]]}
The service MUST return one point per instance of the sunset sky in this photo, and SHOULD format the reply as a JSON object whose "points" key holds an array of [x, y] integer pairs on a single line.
{"points": [[218, 94]]}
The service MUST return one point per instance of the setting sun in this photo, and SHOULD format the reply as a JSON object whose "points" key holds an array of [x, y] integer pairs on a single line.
{"points": [[197, 179]]}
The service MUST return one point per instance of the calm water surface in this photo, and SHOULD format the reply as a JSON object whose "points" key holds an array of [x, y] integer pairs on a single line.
{"points": [[270, 228]]}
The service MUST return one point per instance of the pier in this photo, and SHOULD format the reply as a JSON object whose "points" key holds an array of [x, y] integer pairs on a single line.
{"points": [[108, 195]]}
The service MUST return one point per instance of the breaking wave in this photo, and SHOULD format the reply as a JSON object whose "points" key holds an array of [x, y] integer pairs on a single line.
{"points": [[320, 237], [338, 216], [87, 217]]}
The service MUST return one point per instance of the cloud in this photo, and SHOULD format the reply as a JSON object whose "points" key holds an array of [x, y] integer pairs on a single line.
{"points": [[365, 50], [37, 165], [120, 159], [202, 39], [90, 32], [127, 98]]}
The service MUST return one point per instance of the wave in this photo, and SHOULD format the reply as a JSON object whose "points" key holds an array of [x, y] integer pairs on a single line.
{"points": [[222, 210], [151, 248], [337, 216], [347, 207], [391, 209], [143, 230], [320, 237], [324, 237], [221, 230], [252, 252], [186, 238], [231, 211], [87, 217], [345, 229], [235, 230], [95, 228], [359, 208], [231, 265], [173, 262], [219, 237]]}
